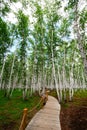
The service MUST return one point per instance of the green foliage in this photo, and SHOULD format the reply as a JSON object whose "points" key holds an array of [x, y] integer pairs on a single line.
{"points": [[4, 39], [22, 33], [72, 3], [23, 22], [64, 29], [4, 8], [50, 30], [83, 19], [13, 0]]}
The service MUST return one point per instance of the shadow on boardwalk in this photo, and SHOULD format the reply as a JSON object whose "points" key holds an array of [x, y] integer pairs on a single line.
{"points": [[47, 118]]}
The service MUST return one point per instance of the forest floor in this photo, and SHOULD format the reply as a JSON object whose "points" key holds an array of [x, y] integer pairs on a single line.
{"points": [[11, 110], [73, 114]]}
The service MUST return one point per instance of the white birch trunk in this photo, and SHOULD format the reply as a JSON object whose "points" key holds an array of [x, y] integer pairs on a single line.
{"points": [[54, 73], [2, 72], [64, 77], [80, 39], [9, 85], [60, 85]]}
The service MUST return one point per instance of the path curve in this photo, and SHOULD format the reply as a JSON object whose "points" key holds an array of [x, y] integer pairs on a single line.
{"points": [[47, 118]]}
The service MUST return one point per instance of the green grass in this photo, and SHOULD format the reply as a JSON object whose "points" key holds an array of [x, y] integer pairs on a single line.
{"points": [[53, 93], [11, 109], [79, 99], [81, 93]]}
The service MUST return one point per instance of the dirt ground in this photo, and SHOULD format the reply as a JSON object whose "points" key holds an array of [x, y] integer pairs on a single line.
{"points": [[74, 116]]}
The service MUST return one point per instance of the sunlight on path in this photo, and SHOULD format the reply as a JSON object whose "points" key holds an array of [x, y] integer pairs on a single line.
{"points": [[47, 118]]}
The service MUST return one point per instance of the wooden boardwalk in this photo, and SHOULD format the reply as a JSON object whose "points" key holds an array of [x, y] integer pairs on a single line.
{"points": [[47, 118]]}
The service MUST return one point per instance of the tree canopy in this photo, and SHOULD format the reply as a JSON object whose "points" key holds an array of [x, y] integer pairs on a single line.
{"points": [[50, 43]]}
